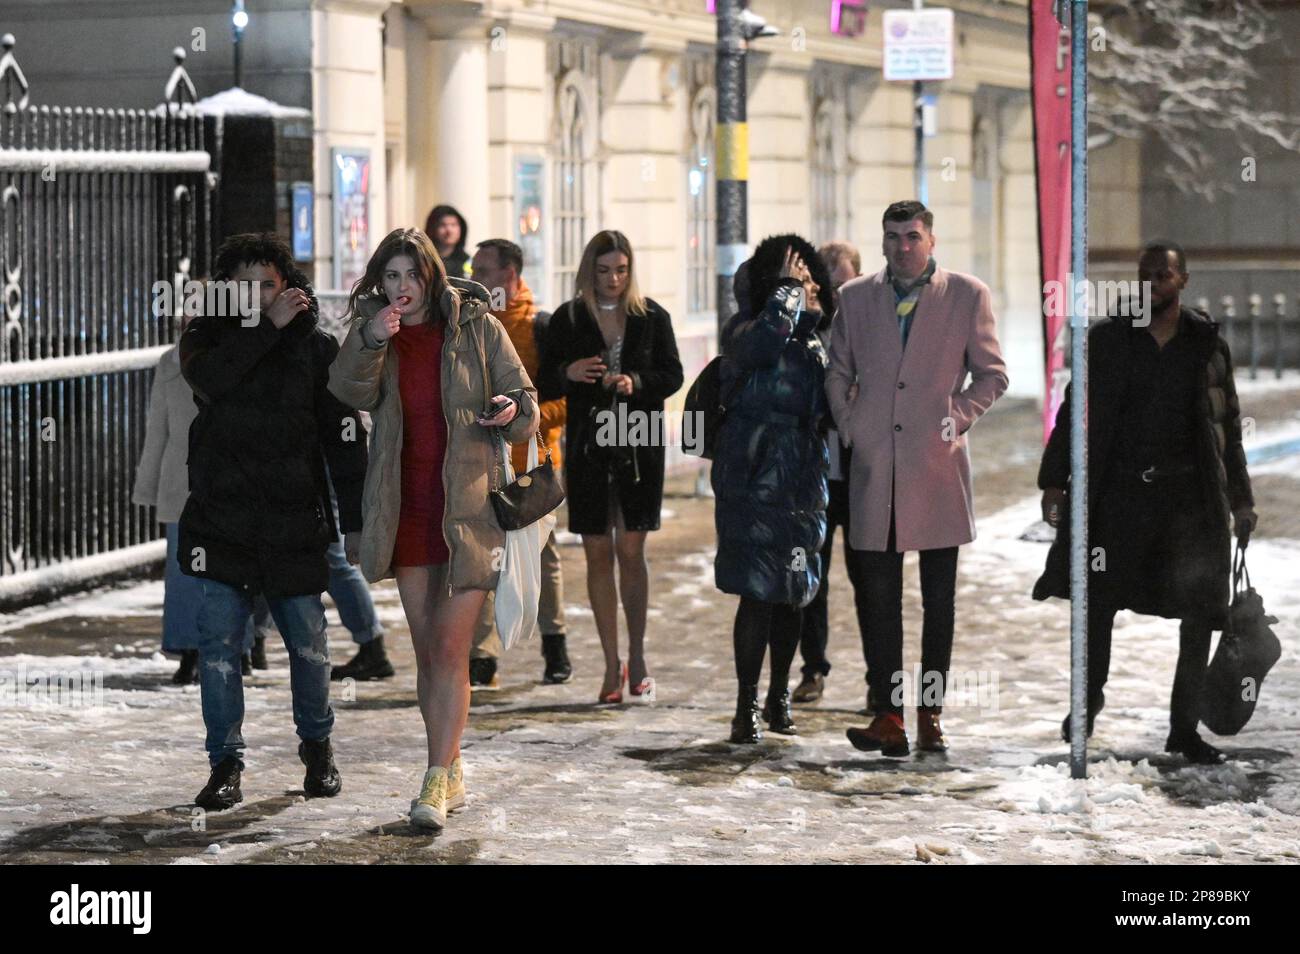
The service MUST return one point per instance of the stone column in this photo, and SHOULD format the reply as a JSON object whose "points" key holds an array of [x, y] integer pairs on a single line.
{"points": [[448, 106]]}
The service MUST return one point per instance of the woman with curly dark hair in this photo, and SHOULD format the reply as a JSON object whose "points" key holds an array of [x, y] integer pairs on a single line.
{"points": [[769, 471]]}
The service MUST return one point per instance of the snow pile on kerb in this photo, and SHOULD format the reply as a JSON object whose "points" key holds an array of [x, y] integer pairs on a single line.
{"points": [[1049, 790]]}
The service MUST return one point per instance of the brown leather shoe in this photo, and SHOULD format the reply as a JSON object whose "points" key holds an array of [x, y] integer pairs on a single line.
{"points": [[885, 734], [810, 690], [929, 733]]}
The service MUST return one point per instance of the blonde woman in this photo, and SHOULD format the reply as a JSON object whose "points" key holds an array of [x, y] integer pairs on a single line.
{"points": [[421, 356], [611, 345]]}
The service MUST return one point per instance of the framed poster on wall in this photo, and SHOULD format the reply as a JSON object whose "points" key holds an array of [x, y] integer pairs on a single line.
{"points": [[351, 167], [529, 231], [304, 234]]}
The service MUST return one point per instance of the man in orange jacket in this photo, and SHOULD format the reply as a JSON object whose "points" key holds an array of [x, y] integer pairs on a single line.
{"points": [[498, 266]]}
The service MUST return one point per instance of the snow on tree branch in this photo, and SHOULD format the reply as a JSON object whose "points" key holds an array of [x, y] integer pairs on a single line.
{"points": [[1182, 72]]}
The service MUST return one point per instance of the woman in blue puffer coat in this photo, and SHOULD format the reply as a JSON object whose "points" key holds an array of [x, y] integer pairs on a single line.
{"points": [[769, 470]]}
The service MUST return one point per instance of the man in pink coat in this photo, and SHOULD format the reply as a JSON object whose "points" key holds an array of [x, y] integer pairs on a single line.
{"points": [[902, 347]]}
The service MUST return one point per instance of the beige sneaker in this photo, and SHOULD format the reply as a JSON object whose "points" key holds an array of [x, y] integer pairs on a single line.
{"points": [[455, 785], [430, 809]]}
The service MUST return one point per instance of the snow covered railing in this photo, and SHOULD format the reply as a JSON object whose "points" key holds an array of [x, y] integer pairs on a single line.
{"points": [[51, 162], [80, 572], [79, 366]]}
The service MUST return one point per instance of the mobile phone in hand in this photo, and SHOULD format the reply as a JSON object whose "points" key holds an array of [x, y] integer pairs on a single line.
{"points": [[488, 418]]}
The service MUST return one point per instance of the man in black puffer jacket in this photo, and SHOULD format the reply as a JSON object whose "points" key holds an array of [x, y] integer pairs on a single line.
{"points": [[1167, 483], [258, 518]]}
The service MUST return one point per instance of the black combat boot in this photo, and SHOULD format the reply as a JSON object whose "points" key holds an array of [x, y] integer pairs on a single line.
{"points": [[745, 727], [322, 778], [258, 655], [370, 662], [188, 672], [556, 656], [776, 712], [222, 790]]}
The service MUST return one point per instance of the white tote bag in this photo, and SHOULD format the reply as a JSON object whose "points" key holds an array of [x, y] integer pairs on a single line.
{"points": [[520, 585]]}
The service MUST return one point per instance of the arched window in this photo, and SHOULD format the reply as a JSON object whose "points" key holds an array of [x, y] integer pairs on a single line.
{"points": [[701, 216], [573, 181]]}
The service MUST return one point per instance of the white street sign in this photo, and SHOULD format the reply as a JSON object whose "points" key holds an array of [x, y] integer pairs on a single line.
{"points": [[918, 44]]}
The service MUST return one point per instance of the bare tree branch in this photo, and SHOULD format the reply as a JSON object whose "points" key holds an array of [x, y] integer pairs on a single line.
{"points": [[1182, 72]]}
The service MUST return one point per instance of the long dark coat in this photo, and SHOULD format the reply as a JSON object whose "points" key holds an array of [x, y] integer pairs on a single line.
{"points": [[650, 357], [1224, 484], [769, 471], [259, 504]]}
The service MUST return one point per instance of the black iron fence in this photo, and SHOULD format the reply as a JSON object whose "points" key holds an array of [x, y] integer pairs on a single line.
{"points": [[96, 207], [1263, 334]]}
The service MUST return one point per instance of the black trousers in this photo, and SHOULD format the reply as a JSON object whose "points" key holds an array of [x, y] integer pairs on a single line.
{"points": [[815, 634], [878, 582], [1153, 537], [1194, 637]]}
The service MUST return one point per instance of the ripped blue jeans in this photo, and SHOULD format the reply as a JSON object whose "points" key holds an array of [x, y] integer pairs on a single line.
{"points": [[222, 620]]}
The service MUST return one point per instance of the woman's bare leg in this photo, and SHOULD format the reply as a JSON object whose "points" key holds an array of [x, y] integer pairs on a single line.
{"points": [[634, 588], [442, 629], [599, 549]]}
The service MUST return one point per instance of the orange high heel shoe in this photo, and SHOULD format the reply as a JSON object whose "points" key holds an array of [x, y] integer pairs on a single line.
{"points": [[615, 697]]}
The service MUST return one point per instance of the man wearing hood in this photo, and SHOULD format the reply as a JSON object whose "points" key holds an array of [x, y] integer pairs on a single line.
{"points": [[258, 518], [447, 228], [498, 266]]}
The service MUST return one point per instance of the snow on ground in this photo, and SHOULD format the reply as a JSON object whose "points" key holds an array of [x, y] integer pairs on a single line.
{"points": [[553, 777]]}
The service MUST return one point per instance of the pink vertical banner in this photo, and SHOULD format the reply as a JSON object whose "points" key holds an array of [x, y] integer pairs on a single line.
{"points": [[1049, 57]]}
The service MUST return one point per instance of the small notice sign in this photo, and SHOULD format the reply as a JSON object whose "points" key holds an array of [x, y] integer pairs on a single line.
{"points": [[918, 44]]}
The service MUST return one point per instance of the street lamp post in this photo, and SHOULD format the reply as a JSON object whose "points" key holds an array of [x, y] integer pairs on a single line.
{"points": [[1079, 388], [238, 20], [732, 156], [918, 122], [736, 26]]}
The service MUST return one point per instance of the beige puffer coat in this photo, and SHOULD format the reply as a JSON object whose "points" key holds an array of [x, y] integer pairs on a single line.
{"points": [[365, 378]]}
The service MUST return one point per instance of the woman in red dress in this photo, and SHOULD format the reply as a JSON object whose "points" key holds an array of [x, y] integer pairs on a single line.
{"points": [[427, 519]]}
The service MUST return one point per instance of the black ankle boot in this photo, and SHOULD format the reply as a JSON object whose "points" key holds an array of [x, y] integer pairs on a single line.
{"points": [[370, 662], [1094, 707], [259, 653], [222, 790], [745, 728], [556, 656], [776, 712], [1195, 749], [188, 672], [322, 778]]}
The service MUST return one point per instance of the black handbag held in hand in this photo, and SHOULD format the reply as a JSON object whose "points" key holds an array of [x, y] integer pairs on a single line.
{"points": [[532, 496], [529, 497]]}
